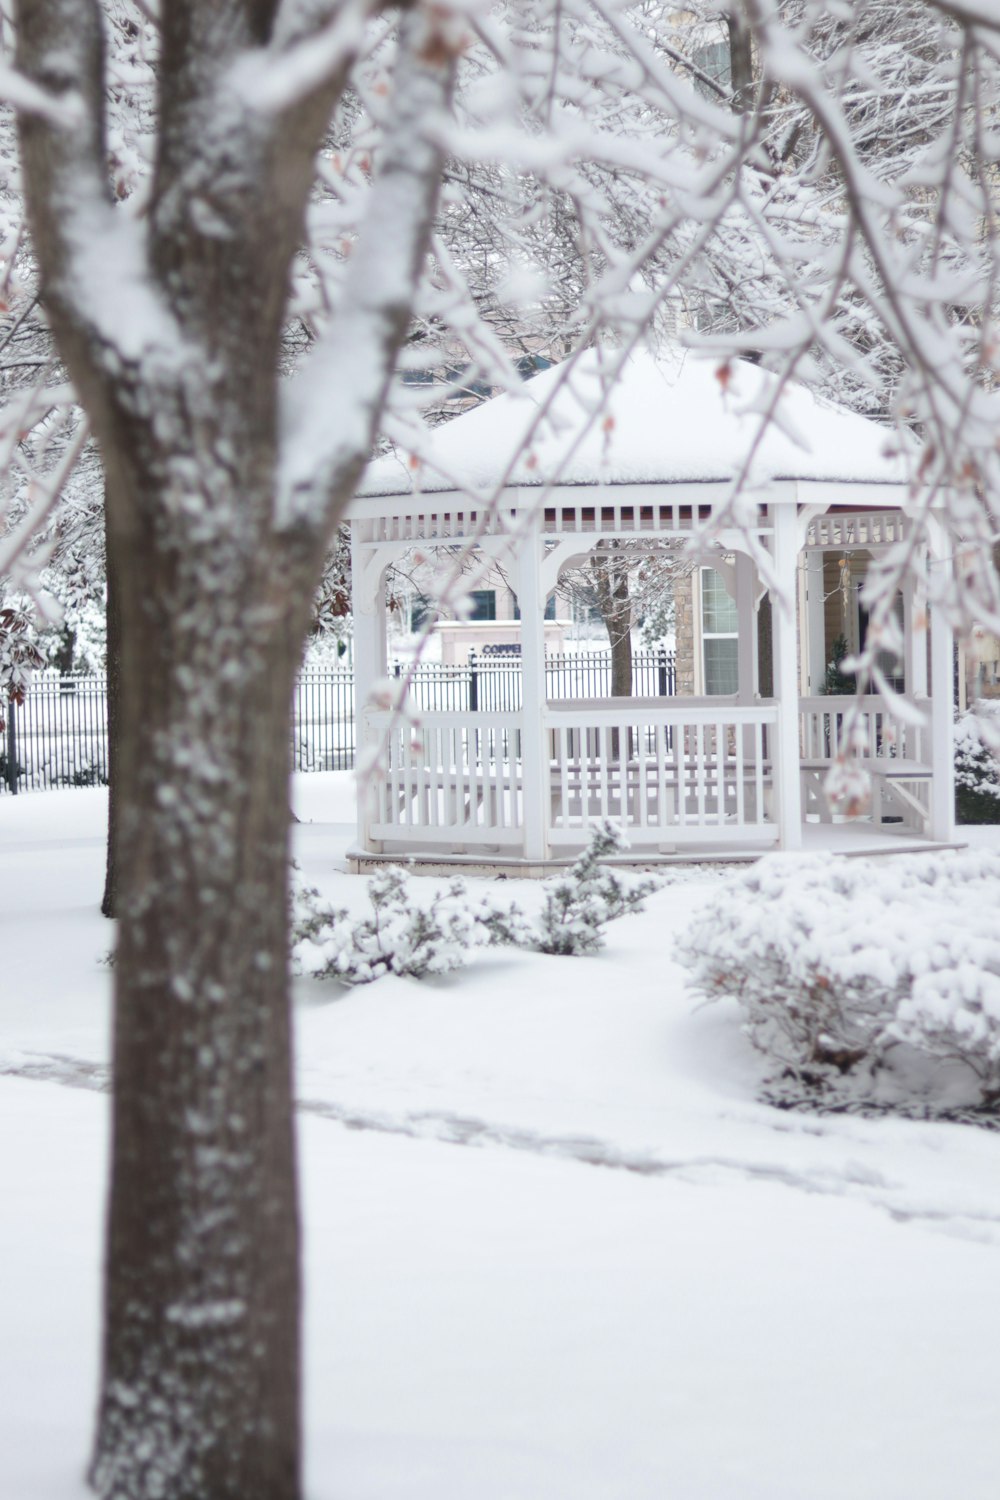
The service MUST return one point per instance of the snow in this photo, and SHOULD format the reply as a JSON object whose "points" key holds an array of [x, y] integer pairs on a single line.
{"points": [[555, 1248], [669, 422]]}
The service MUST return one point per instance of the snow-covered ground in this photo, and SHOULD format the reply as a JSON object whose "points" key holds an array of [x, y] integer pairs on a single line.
{"points": [[555, 1249]]}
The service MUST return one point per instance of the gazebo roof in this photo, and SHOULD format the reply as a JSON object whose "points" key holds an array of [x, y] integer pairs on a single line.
{"points": [[668, 421]]}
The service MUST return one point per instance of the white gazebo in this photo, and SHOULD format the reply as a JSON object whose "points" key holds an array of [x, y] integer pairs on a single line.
{"points": [[684, 775]]}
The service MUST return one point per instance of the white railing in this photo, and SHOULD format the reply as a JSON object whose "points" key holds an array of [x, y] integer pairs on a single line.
{"points": [[681, 774], [864, 529], [455, 780], [866, 730], [697, 771]]}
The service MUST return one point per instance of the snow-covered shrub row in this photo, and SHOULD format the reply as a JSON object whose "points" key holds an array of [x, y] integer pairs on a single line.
{"points": [[871, 977], [400, 937], [977, 766], [403, 937]]}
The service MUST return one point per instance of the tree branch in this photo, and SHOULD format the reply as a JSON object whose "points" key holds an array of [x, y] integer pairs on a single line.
{"points": [[92, 255], [331, 407]]}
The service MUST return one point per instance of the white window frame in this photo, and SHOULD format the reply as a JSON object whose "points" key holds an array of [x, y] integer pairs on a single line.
{"points": [[701, 687]]}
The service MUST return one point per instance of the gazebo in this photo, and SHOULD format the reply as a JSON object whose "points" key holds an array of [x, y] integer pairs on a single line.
{"points": [[685, 776]]}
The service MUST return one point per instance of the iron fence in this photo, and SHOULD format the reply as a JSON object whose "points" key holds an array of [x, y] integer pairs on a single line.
{"points": [[58, 736]]}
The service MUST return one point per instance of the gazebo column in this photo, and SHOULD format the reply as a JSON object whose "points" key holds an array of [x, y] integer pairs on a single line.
{"points": [[942, 821], [915, 640], [785, 750], [370, 636], [534, 751], [746, 620], [747, 674], [815, 622]]}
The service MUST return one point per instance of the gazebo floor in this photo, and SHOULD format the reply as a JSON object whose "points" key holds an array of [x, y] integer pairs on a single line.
{"points": [[853, 838]]}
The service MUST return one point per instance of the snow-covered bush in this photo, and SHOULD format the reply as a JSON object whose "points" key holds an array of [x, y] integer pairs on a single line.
{"points": [[580, 904], [977, 766], [863, 976], [402, 936]]}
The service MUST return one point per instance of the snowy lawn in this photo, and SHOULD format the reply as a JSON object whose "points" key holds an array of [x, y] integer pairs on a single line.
{"points": [[561, 1253]]}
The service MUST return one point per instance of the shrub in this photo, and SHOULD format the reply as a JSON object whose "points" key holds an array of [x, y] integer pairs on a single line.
{"points": [[863, 976], [400, 937], [579, 904], [403, 937], [977, 769]]}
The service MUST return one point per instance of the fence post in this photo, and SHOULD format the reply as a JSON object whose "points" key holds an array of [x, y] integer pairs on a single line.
{"points": [[662, 665], [473, 684], [12, 747]]}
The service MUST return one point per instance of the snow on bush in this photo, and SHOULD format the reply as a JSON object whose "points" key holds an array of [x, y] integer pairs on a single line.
{"points": [[404, 937], [400, 937], [863, 976], [579, 905], [977, 767]]}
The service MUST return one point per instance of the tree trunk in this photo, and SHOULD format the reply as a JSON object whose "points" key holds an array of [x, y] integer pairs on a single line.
{"points": [[621, 658], [113, 633], [614, 602], [740, 60], [200, 1397], [221, 504]]}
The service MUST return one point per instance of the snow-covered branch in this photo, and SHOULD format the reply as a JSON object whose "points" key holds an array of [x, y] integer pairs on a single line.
{"points": [[331, 407], [29, 99]]}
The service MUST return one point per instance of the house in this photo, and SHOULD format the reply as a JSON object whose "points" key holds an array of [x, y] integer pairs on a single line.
{"points": [[739, 762]]}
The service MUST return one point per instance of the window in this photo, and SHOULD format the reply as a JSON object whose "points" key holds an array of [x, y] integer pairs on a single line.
{"points": [[550, 608], [719, 636], [715, 59], [887, 662], [530, 364], [421, 608], [484, 604]]}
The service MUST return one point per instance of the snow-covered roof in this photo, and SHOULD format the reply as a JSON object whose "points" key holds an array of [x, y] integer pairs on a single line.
{"points": [[668, 421]]}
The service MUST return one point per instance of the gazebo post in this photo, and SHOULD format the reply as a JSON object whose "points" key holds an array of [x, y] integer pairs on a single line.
{"points": [[746, 617], [534, 752], [786, 677], [942, 819], [815, 662], [369, 662]]}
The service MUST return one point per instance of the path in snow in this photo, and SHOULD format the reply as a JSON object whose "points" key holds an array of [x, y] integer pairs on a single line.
{"points": [[854, 1180]]}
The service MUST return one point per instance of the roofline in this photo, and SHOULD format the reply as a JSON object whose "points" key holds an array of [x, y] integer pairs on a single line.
{"points": [[864, 493]]}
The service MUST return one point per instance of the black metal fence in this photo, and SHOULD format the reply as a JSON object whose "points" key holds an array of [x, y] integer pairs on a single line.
{"points": [[323, 720], [58, 736], [492, 683]]}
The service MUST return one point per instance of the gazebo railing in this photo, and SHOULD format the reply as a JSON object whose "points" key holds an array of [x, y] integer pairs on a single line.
{"points": [[454, 781], [696, 771], [824, 723], [687, 773], [895, 754]]}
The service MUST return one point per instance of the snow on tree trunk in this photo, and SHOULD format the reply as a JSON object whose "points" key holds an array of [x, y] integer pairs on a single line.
{"points": [[201, 1360], [224, 485]]}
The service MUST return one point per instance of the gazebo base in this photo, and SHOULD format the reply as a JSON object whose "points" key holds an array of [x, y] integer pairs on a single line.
{"points": [[856, 838]]}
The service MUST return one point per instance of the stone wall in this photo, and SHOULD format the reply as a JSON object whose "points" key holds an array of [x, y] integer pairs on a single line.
{"points": [[684, 631]]}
